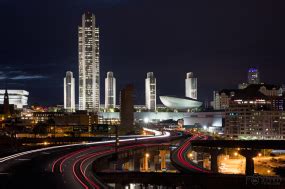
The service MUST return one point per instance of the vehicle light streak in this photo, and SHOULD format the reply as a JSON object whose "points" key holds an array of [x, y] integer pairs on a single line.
{"points": [[182, 155], [4, 159]]}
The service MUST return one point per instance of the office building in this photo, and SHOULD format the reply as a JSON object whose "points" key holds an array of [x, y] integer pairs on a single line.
{"points": [[248, 120], [19, 98], [191, 86], [242, 85], [150, 91], [110, 91], [253, 76], [69, 92], [89, 64], [127, 110], [253, 93]]}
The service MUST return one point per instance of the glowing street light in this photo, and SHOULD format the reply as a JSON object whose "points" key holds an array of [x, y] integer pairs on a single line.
{"points": [[190, 155], [235, 154], [146, 120], [147, 155]]}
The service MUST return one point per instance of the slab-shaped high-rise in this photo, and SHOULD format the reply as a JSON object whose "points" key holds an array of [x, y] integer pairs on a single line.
{"points": [[191, 86], [89, 64], [69, 92], [150, 92], [110, 91]]}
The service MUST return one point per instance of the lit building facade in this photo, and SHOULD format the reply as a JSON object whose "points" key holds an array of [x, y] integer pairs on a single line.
{"points": [[253, 121], [223, 98], [89, 64], [253, 76], [69, 92], [19, 98], [110, 91], [191, 86], [150, 91]]}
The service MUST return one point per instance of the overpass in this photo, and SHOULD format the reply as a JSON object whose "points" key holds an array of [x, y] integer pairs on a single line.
{"points": [[254, 144], [248, 148]]}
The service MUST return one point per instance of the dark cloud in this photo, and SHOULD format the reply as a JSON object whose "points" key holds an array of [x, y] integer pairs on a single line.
{"points": [[28, 77]]}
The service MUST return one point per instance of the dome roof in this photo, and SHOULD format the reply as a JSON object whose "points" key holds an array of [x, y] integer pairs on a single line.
{"points": [[180, 103]]}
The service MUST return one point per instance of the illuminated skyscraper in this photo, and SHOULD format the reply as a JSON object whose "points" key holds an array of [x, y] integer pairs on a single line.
{"points": [[69, 92], [110, 91], [253, 76], [89, 70], [191, 86], [150, 91]]}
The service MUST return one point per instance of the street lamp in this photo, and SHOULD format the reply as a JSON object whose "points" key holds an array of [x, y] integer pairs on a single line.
{"points": [[190, 155]]}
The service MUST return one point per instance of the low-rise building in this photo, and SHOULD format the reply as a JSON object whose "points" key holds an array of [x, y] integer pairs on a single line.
{"points": [[19, 98]]}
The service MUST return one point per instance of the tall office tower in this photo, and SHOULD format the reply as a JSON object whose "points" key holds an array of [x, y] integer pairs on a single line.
{"points": [[89, 72], [191, 86], [127, 110], [110, 91], [69, 92], [253, 76], [150, 91]]}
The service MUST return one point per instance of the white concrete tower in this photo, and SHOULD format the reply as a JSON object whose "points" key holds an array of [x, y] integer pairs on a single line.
{"points": [[150, 92], [191, 86], [89, 64], [69, 92], [110, 91]]}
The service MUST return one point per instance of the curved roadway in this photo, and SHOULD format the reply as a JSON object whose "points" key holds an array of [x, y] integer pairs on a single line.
{"points": [[182, 162], [67, 166]]}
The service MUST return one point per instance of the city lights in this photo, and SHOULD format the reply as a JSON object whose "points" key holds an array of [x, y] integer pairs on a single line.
{"points": [[147, 94]]}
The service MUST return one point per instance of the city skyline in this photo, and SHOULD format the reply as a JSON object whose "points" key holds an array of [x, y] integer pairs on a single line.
{"points": [[142, 94], [229, 57]]}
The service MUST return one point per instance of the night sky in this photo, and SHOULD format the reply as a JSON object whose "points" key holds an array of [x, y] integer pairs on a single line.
{"points": [[217, 40]]}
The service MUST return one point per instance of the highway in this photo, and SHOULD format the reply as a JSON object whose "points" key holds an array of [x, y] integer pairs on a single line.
{"points": [[67, 166], [182, 162]]}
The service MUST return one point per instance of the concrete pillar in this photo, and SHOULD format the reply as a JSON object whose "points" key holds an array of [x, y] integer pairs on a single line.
{"points": [[131, 163], [153, 160], [145, 162], [162, 155], [214, 152], [136, 163], [249, 155]]}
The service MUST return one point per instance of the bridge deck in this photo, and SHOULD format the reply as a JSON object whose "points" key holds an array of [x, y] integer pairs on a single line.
{"points": [[256, 144]]}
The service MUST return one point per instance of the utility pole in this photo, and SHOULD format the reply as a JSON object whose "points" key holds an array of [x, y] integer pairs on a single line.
{"points": [[117, 143]]}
